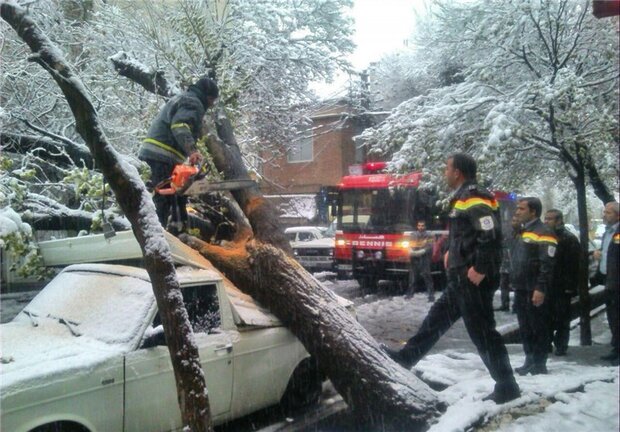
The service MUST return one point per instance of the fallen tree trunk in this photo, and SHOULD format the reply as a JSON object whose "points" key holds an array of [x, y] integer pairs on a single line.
{"points": [[375, 388], [138, 206]]}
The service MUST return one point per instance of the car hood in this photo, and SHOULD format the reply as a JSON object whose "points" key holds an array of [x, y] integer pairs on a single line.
{"points": [[326, 242], [31, 355]]}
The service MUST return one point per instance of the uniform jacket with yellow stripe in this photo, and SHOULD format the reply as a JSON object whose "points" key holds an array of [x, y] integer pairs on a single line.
{"points": [[475, 237], [173, 134], [533, 257]]}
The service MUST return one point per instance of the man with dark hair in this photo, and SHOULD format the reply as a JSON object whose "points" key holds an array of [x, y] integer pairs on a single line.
{"points": [[531, 276], [564, 286], [420, 260], [472, 264], [609, 268], [171, 140]]}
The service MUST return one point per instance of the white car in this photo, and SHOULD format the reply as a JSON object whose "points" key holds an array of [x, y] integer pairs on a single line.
{"points": [[313, 247], [304, 233], [88, 354]]}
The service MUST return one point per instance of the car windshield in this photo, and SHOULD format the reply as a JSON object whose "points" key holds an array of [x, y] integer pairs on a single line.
{"points": [[107, 307]]}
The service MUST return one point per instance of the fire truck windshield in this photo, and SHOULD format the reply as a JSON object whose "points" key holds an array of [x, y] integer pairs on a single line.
{"points": [[382, 210]]}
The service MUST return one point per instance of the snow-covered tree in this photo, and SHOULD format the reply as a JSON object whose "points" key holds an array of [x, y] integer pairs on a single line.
{"points": [[262, 53], [538, 97]]}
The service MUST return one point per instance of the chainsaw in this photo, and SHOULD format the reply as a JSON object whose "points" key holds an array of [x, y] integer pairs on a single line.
{"points": [[190, 180]]}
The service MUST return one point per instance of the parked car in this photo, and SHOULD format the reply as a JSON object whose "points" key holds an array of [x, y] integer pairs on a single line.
{"points": [[313, 247], [304, 233], [88, 352]]}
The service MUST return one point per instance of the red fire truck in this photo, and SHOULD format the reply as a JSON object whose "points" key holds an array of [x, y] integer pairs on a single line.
{"points": [[377, 212]]}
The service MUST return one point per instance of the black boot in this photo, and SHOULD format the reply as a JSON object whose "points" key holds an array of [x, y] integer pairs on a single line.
{"points": [[394, 355], [504, 392], [538, 369], [524, 370], [399, 356]]}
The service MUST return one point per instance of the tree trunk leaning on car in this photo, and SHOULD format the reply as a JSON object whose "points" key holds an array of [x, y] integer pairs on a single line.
{"points": [[366, 378], [132, 197], [376, 388]]}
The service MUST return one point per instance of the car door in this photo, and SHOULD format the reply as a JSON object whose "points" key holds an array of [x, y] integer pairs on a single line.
{"points": [[150, 395]]}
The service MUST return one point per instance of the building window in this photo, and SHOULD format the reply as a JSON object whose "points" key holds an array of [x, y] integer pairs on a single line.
{"points": [[301, 149]]}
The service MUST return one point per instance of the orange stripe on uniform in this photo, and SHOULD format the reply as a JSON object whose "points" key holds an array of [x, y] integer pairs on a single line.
{"points": [[476, 201], [533, 237]]}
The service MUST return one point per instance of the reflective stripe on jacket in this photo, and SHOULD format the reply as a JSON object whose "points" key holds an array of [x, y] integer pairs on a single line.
{"points": [[475, 237], [533, 257], [173, 134]]}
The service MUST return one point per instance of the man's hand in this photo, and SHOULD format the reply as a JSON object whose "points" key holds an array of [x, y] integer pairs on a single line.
{"points": [[597, 254], [538, 298], [195, 158], [474, 276]]}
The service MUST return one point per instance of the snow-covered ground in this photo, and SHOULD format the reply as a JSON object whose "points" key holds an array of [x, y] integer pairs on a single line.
{"points": [[579, 394]]}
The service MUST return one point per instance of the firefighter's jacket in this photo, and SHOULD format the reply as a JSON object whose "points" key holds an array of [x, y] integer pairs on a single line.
{"points": [[533, 258], [173, 134], [475, 231]]}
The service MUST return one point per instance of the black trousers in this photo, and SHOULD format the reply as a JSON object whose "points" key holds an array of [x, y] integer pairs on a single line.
{"points": [[611, 303], [173, 207], [504, 287], [421, 267], [559, 320], [474, 304], [533, 327]]}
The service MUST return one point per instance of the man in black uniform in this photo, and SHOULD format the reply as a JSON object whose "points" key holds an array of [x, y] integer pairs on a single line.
{"points": [[472, 264], [171, 139], [531, 276], [565, 276]]}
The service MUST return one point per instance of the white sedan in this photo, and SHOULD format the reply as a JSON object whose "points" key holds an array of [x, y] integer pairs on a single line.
{"points": [[87, 354]]}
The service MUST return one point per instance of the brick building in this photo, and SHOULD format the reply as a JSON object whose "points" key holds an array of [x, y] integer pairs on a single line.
{"points": [[301, 180]]}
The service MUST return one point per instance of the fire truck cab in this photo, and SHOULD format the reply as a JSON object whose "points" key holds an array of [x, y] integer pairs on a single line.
{"points": [[376, 214]]}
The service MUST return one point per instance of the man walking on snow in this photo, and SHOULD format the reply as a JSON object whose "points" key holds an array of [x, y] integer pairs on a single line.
{"points": [[472, 263]]}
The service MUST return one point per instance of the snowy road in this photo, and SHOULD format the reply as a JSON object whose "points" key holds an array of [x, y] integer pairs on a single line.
{"points": [[579, 394]]}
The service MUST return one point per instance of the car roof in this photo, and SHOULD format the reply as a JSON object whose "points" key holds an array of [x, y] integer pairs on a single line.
{"points": [[186, 275], [304, 228]]}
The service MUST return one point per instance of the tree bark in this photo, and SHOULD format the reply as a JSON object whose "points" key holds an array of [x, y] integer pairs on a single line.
{"points": [[137, 205], [62, 222], [375, 387], [600, 188], [582, 282], [377, 390]]}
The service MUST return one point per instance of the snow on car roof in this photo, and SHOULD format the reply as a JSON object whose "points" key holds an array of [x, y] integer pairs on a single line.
{"points": [[304, 228]]}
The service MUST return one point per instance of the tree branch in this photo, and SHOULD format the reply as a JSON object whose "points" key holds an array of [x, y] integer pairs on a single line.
{"points": [[138, 206]]}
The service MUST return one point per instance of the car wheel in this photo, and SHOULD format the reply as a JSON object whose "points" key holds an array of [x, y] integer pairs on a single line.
{"points": [[305, 386], [61, 426]]}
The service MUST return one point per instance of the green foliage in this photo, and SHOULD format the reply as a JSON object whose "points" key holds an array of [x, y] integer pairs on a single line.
{"points": [[29, 261]]}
